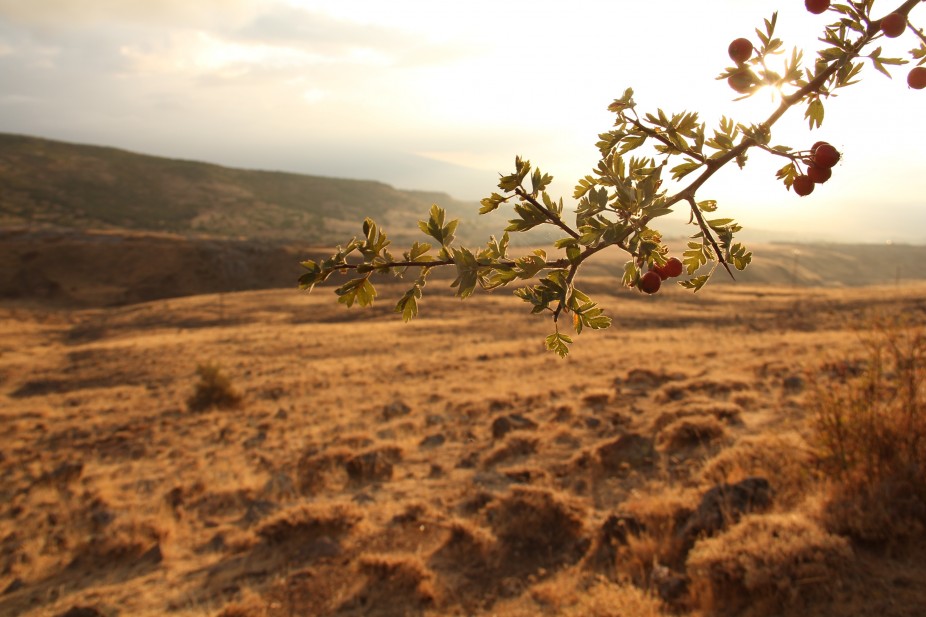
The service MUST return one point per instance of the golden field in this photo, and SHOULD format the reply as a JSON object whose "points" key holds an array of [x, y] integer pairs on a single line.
{"points": [[449, 466]]}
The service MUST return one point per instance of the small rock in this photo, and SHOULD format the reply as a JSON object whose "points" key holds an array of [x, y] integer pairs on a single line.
{"points": [[432, 441], [503, 425], [793, 384], [395, 409]]}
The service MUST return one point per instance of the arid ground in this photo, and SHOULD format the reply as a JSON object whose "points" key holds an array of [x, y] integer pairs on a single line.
{"points": [[449, 466]]}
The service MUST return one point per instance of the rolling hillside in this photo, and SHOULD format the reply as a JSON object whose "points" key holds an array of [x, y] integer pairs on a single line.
{"points": [[51, 183]]}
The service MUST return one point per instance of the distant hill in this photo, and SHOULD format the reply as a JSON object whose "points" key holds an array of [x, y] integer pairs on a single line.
{"points": [[45, 183]]}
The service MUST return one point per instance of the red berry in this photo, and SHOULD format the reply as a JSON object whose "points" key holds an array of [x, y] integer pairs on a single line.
{"points": [[825, 156], [649, 282], [660, 270], [740, 50], [916, 78], [893, 25], [819, 174], [673, 267], [741, 81], [803, 185], [816, 145], [817, 6]]}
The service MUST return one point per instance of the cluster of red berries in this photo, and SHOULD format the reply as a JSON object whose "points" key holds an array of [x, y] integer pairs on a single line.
{"points": [[652, 280], [820, 164], [892, 26]]}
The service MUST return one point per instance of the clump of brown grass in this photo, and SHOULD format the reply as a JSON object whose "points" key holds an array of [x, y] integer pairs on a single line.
{"points": [[213, 390], [689, 432], [784, 460], [658, 518], [395, 585], [764, 565], [869, 428], [309, 521], [606, 599]]}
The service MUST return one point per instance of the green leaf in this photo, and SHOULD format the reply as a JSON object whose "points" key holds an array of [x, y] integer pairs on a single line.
{"points": [[695, 283], [558, 344], [530, 265], [814, 113], [683, 169], [436, 228], [358, 290], [491, 203], [417, 252], [408, 304], [467, 272], [539, 182]]}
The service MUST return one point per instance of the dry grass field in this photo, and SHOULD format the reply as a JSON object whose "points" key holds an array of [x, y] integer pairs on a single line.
{"points": [[450, 466]]}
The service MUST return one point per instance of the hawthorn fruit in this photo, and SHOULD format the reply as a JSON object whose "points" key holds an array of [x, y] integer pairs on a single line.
{"points": [[817, 6], [803, 185], [742, 81], [916, 78], [673, 267], [893, 25], [816, 145], [650, 282], [740, 50], [661, 271], [818, 174], [825, 155]]}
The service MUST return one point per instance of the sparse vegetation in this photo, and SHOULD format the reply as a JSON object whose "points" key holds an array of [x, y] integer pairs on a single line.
{"points": [[869, 419]]}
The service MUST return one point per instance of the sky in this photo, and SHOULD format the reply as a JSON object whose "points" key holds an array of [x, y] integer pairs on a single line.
{"points": [[442, 95]]}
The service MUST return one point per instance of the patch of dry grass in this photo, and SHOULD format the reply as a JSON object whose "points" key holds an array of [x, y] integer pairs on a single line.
{"points": [[765, 565], [496, 480]]}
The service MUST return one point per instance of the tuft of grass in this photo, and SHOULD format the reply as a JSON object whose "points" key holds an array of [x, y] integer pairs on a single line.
{"points": [[767, 564], [213, 390], [784, 459], [869, 430]]}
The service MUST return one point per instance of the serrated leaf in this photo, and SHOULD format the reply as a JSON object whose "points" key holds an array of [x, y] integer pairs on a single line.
{"points": [[695, 283], [558, 344], [491, 203], [358, 290], [814, 113]]}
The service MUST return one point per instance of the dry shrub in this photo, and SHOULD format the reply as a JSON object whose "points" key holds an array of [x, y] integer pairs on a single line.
{"points": [[605, 599], [658, 520], [690, 431], [766, 564], [307, 522], [784, 460], [869, 427], [213, 390]]}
